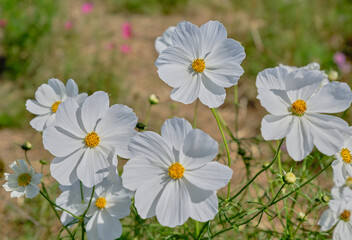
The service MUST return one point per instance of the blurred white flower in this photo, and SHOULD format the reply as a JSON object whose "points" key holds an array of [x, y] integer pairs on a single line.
{"points": [[24, 181], [173, 175], [84, 138], [48, 98], [200, 63], [165, 40], [339, 214], [295, 101]]}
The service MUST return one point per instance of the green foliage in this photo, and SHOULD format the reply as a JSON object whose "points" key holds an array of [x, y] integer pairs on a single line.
{"points": [[147, 6], [27, 23]]}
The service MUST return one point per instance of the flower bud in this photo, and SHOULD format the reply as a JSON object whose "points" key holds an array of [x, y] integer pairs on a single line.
{"points": [[302, 216], [140, 126], [333, 75], [266, 164], [289, 178], [26, 146], [43, 162], [153, 99]]}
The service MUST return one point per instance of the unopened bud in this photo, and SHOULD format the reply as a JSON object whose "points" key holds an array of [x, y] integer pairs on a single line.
{"points": [[266, 164], [140, 126], [43, 162], [289, 178], [302, 216], [333, 75], [27, 146], [325, 199], [153, 99]]}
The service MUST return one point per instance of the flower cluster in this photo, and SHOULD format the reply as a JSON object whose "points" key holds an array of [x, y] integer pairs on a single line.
{"points": [[172, 175]]}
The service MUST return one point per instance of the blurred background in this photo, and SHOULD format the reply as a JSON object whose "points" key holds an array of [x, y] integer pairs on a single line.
{"points": [[109, 45]]}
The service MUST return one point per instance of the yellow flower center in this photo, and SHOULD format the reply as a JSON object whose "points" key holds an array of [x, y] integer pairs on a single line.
{"points": [[345, 216], [346, 155], [100, 203], [198, 65], [299, 107], [92, 139], [349, 182], [176, 170], [55, 106], [24, 179]]}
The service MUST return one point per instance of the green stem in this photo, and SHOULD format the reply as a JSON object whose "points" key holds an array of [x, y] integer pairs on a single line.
{"points": [[26, 157], [226, 146], [305, 215], [55, 211], [264, 169], [197, 228], [147, 116], [195, 114], [235, 95]]}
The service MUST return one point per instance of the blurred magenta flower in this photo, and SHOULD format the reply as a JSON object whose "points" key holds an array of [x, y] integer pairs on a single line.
{"points": [[126, 30], [3, 22], [342, 64], [87, 7], [339, 58], [110, 46], [68, 25], [125, 49]]}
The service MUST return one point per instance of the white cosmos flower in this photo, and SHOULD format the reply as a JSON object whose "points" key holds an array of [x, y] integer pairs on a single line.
{"points": [[200, 63], [24, 181], [342, 166], [296, 101], [338, 214], [165, 40], [102, 220], [84, 137], [110, 203], [173, 175], [48, 98]]}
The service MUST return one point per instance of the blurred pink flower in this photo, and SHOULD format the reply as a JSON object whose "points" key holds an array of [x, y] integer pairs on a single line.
{"points": [[342, 64], [68, 25], [3, 22], [126, 30], [125, 49], [339, 58], [110, 46], [87, 7]]}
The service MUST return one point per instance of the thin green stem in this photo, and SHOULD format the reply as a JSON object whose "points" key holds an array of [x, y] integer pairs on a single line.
{"points": [[81, 188], [195, 114], [148, 113], [264, 169], [235, 96], [55, 211], [226, 146], [85, 212], [197, 228], [26, 157]]}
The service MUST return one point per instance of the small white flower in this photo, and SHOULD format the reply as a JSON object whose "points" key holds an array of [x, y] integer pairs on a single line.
{"points": [[85, 138], [338, 214], [110, 203], [165, 40], [48, 98], [342, 166], [173, 175], [200, 63], [24, 181], [296, 101]]}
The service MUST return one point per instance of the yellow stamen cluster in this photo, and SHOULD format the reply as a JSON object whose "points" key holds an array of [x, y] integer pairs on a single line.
{"points": [[198, 65], [346, 155], [55, 106], [345, 216], [100, 202], [176, 171], [299, 107], [92, 139], [24, 179]]}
